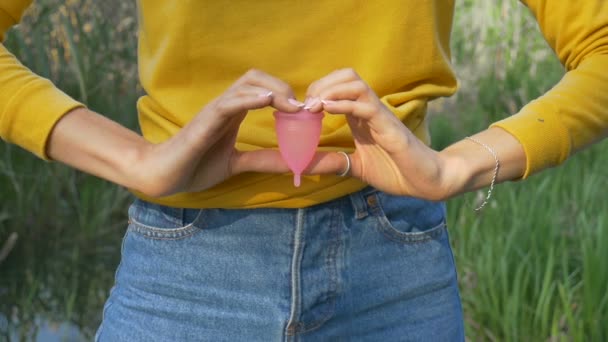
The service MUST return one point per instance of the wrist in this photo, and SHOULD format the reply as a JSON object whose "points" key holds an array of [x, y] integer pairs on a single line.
{"points": [[458, 171], [135, 165], [489, 157]]}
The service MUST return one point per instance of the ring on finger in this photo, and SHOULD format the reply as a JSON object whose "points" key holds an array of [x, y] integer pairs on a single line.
{"points": [[348, 164]]}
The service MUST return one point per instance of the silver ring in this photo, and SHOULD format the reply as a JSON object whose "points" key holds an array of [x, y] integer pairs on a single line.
{"points": [[348, 164]]}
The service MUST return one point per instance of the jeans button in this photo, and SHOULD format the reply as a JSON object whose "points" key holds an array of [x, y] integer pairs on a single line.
{"points": [[372, 201]]}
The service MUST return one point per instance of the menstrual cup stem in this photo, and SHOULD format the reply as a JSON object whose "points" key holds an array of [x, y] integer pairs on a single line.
{"points": [[296, 180]]}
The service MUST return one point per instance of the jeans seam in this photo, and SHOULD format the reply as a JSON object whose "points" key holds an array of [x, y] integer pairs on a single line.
{"points": [[111, 302], [333, 252], [393, 234], [409, 238], [166, 233], [292, 327], [331, 264], [167, 229]]}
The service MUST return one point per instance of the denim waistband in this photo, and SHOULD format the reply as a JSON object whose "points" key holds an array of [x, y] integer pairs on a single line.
{"points": [[362, 202]]}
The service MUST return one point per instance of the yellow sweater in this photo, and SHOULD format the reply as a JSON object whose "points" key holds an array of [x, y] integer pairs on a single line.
{"points": [[191, 51]]}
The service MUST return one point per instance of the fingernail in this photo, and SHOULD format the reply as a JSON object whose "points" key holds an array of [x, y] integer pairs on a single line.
{"points": [[295, 102], [268, 94], [311, 103], [327, 102]]}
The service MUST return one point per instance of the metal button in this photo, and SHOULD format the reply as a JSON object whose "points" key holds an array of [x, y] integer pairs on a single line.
{"points": [[372, 201]]}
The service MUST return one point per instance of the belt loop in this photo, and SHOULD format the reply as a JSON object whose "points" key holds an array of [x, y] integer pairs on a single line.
{"points": [[182, 215], [359, 205]]}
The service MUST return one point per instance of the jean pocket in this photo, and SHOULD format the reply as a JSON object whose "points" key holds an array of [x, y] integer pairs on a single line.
{"points": [[163, 223], [408, 219]]}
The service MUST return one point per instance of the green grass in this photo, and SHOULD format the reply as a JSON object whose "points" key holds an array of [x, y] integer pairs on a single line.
{"points": [[531, 264]]}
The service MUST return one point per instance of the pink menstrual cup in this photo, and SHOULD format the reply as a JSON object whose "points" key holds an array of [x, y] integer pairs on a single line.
{"points": [[298, 135]]}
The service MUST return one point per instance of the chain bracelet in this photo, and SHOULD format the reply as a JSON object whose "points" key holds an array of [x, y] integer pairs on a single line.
{"points": [[495, 170]]}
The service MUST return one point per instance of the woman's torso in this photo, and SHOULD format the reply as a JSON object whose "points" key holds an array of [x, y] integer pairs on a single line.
{"points": [[192, 51]]}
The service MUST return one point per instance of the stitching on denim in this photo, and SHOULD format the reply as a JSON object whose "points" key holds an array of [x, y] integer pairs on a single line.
{"points": [[302, 327], [295, 280], [331, 264], [327, 315], [392, 233], [334, 251], [359, 201], [187, 232], [316, 324], [166, 233], [410, 238], [134, 221]]}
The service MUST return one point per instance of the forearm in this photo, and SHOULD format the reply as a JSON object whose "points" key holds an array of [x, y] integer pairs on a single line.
{"points": [[573, 114], [97, 145], [470, 166]]}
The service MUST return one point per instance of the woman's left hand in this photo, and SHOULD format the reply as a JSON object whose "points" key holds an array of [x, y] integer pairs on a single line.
{"points": [[387, 155]]}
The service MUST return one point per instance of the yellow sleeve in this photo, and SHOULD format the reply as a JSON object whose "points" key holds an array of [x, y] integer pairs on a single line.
{"points": [[30, 105], [574, 113]]}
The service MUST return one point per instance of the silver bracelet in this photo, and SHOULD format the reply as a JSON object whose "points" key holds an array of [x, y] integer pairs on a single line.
{"points": [[495, 170]]}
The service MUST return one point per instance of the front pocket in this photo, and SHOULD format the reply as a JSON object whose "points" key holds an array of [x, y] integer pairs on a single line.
{"points": [[408, 219], [163, 223]]}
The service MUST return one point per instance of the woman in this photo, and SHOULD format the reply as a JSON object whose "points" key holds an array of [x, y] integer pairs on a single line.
{"points": [[220, 245]]}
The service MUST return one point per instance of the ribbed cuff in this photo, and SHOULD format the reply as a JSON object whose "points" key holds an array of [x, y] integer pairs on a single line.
{"points": [[32, 113], [538, 128]]}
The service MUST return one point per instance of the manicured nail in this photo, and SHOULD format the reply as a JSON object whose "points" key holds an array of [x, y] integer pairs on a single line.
{"points": [[295, 102], [268, 94], [311, 103]]}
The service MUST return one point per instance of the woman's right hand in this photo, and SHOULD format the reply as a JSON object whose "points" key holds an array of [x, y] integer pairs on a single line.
{"points": [[201, 155]]}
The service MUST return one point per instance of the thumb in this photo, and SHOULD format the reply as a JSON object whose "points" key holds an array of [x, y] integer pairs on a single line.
{"points": [[336, 163], [264, 161], [270, 161]]}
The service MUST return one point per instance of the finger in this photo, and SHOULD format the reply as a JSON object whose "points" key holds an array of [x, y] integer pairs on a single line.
{"points": [[247, 90], [282, 92], [313, 104], [336, 77], [332, 163], [353, 90], [230, 106], [360, 110], [270, 161], [266, 161]]}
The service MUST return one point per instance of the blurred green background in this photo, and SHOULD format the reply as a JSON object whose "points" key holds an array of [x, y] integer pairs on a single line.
{"points": [[531, 264]]}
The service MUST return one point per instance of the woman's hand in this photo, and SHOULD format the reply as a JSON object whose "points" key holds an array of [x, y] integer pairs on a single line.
{"points": [[199, 156], [203, 153], [387, 155]]}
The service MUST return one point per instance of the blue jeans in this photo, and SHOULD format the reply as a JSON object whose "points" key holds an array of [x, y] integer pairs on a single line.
{"points": [[365, 267]]}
